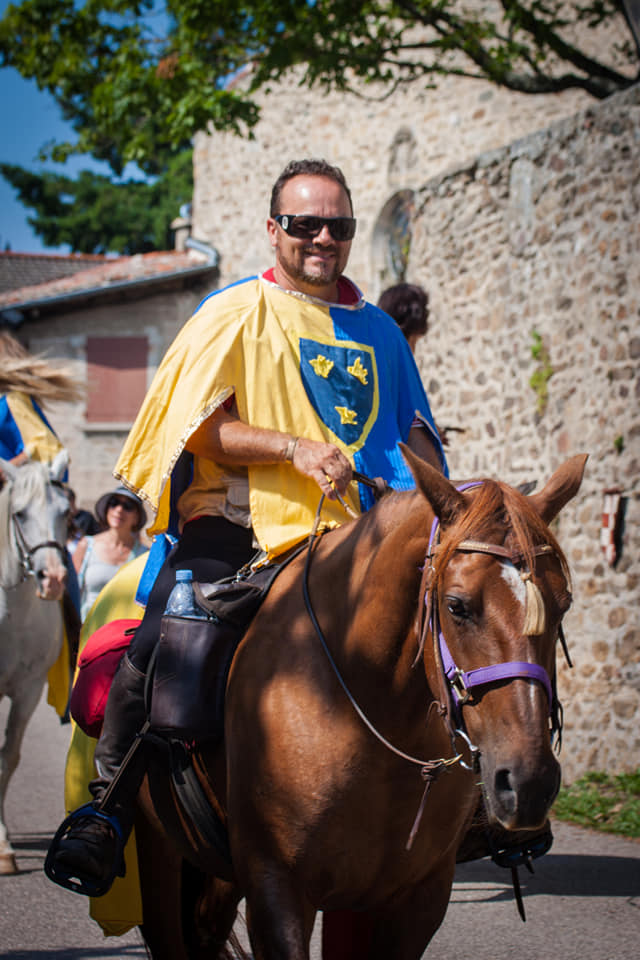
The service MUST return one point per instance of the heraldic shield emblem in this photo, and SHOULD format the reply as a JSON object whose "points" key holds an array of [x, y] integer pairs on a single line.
{"points": [[342, 385]]}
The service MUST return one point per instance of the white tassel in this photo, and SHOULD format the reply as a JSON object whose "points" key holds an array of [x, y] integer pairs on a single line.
{"points": [[535, 614]]}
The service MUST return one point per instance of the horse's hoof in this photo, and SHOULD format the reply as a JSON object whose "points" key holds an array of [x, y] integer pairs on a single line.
{"points": [[8, 865]]}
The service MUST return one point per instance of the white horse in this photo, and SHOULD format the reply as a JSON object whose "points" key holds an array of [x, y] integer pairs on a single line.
{"points": [[33, 531]]}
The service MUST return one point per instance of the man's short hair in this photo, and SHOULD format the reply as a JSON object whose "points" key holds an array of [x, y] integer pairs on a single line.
{"points": [[313, 168]]}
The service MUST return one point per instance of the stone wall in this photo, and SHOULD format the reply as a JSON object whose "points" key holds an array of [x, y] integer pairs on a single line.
{"points": [[387, 149], [544, 236], [539, 237]]}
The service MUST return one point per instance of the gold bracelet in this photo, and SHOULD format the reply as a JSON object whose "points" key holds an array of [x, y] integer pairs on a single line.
{"points": [[291, 449]]}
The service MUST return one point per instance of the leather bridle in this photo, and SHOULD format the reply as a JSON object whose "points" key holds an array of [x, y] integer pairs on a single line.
{"points": [[26, 553], [457, 684], [454, 682]]}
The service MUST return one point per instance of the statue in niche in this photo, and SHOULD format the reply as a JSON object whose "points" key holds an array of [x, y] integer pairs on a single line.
{"points": [[403, 156], [392, 239]]}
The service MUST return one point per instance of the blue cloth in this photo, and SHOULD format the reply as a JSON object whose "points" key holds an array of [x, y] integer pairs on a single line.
{"points": [[15, 436], [337, 372], [400, 395], [159, 551], [11, 442], [162, 543]]}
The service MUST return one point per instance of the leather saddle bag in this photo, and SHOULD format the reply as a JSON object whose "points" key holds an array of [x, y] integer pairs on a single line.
{"points": [[192, 659]]}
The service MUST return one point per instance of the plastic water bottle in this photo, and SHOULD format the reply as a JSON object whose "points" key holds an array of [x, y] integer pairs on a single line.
{"points": [[182, 601]]}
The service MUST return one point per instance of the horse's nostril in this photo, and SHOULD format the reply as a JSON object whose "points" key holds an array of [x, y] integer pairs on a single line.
{"points": [[505, 791], [503, 781]]}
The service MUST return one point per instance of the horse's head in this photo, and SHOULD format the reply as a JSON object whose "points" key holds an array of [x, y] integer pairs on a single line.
{"points": [[34, 508], [498, 586]]}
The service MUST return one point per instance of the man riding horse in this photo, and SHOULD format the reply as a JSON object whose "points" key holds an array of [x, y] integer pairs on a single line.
{"points": [[275, 391]]}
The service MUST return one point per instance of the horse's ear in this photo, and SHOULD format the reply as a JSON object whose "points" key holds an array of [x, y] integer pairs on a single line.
{"points": [[58, 468], [562, 487], [440, 492]]}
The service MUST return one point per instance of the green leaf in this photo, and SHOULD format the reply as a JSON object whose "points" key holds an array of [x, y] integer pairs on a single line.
{"points": [[93, 214], [137, 78]]}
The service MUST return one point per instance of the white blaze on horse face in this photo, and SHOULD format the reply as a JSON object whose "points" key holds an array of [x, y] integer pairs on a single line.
{"points": [[515, 581]]}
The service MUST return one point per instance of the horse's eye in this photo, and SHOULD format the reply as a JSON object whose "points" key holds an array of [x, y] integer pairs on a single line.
{"points": [[565, 601], [457, 608]]}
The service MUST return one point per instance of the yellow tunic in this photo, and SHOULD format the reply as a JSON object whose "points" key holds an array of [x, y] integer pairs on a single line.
{"points": [[244, 341], [121, 908], [39, 440]]}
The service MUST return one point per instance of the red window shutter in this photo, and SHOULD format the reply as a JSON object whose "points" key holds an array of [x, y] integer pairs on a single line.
{"points": [[116, 378]]}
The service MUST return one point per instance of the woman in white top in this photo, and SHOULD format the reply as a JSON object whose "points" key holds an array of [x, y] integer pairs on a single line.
{"points": [[96, 559]]}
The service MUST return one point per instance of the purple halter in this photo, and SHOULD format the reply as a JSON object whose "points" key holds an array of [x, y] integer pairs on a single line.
{"points": [[460, 681]]}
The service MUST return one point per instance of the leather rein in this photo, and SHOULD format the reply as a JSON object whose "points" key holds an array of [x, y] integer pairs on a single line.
{"points": [[455, 683]]}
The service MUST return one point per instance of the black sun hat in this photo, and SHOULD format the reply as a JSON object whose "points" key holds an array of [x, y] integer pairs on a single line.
{"points": [[100, 508]]}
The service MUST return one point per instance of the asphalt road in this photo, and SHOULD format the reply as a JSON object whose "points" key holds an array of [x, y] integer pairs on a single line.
{"points": [[583, 903]]}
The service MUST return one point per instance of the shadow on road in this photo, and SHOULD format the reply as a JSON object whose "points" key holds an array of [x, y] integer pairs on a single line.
{"points": [[69, 953], [31, 849], [573, 875], [31, 841]]}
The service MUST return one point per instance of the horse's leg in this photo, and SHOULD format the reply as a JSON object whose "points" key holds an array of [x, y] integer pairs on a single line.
{"points": [[346, 934], [209, 909], [404, 930], [161, 888], [19, 715], [279, 919]]}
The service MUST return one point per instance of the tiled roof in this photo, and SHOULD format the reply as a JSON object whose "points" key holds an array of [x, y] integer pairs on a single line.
{"points": [[107, 274], [27, 269]]}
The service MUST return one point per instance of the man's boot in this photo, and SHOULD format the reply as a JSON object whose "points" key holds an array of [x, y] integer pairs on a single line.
{"points": [[86, 853]]}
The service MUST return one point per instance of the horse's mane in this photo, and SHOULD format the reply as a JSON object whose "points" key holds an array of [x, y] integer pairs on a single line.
{"points": [[37, 377], [26, 489], [491, 503]]}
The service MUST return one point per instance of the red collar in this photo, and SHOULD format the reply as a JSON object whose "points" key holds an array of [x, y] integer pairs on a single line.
{"points": [[348, 293]]}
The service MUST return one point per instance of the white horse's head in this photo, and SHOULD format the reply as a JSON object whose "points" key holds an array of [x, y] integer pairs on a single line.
{"points": [[33, 525]]}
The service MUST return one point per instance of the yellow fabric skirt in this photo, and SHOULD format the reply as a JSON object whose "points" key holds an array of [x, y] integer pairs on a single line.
{"points": [[58, 677], [121, 908]]}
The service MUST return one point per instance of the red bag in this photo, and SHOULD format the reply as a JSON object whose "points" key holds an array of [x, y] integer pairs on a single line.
{"points": [[97, 665]]}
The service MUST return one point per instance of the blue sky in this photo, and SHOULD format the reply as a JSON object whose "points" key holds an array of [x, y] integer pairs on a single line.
{"points": [[28, 119]]}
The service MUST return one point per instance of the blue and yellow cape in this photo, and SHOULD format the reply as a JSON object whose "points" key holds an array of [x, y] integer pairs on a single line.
{"points": [[24, 428], [339, 373]]}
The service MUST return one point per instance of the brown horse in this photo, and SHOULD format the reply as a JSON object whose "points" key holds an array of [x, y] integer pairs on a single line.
{"points": [[334, 730]]}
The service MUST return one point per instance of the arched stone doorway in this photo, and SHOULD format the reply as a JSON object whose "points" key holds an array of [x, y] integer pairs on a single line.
{"points": [[391, 241]]}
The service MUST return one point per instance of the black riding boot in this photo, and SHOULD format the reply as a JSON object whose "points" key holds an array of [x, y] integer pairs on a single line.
{"points": [[90, 847]]}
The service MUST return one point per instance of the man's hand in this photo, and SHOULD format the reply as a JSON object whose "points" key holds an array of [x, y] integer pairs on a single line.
{"points": [[225, 439], [324, 463]]}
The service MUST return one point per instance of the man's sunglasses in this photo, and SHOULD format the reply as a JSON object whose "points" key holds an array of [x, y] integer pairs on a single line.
{"points": [[306, 228], [125, 504]]}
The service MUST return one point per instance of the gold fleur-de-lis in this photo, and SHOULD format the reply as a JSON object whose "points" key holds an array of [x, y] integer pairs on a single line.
{"points": [[322, 366], [357, 370], [346, 415]]}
